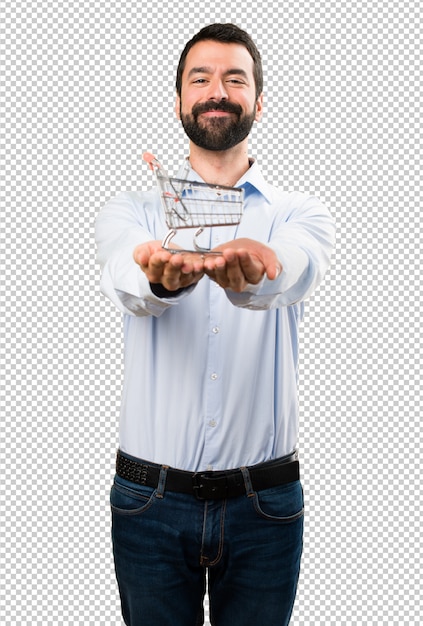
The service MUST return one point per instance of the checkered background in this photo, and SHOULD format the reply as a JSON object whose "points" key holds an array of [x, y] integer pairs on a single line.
{"points": [[86, 88]]}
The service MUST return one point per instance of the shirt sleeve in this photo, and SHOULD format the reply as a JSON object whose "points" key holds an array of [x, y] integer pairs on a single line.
{"points": [[124, 223], [303, 236]]}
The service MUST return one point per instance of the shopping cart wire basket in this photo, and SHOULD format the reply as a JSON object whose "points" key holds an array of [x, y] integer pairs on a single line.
{"points": [[191, 204]]}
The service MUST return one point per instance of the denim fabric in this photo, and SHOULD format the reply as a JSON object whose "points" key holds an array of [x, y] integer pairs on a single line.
{"points": [[164, 541]]}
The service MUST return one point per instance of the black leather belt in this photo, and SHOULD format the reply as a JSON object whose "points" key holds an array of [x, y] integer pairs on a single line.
{"points": [[213, 485]]}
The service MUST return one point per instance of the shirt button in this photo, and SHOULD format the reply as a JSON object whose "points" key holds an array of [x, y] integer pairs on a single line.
{"points": [[212, 423], [216, 329], [213, 376]]}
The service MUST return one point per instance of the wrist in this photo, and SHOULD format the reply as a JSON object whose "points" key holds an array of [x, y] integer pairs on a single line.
{"points": [[162, 292]]}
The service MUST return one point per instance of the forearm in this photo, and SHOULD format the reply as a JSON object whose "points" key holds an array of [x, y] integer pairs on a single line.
{"points": [[127, 287], [118, 231], [297, 280], [303, 248]]}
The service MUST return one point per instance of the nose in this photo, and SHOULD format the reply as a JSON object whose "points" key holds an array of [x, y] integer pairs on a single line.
{"points": [[217, 90]]}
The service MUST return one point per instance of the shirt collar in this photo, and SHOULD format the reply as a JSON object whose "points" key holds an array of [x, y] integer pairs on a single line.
{"points": [[252, 178]]}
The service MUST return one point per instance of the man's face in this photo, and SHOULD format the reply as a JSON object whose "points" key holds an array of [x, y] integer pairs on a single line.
{"points": [[218, 103]]}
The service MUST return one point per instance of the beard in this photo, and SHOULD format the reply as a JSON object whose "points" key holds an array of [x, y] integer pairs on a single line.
{"points": [[217, 133]]}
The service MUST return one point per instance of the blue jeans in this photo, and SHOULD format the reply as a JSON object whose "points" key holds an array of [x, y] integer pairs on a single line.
{"points": [[163, 542]]}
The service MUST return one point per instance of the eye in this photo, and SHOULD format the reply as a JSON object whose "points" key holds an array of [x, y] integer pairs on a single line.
{"points": [[236, 81]]}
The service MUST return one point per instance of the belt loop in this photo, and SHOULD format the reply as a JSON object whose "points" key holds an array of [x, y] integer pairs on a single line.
{"points": [[247, 481], [162, 481]]}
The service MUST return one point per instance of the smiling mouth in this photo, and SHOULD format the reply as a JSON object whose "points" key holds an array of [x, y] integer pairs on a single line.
{"points": [[216, 113]]}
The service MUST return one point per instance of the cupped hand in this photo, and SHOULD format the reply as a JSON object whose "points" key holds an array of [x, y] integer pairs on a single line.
{"points": [[172, 270], [242, 262]]}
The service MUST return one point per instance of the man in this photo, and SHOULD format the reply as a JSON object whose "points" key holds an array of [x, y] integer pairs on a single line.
{"points": [[207, 469]]}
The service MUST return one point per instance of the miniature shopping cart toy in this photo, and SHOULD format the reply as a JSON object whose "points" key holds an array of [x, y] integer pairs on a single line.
{"points": [[191, 204]]}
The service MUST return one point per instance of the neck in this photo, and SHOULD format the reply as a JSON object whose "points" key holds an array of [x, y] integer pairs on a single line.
{"points": [[220, 168]]}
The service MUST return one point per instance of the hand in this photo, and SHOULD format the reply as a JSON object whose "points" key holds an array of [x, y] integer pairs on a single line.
{"points": [[173, 271], [242, 262]]}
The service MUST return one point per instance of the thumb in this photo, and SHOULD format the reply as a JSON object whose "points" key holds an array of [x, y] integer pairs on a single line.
{"points": [[272, 265]]}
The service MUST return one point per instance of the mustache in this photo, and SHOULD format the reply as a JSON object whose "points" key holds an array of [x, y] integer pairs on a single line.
{"points": [[223, 105]]}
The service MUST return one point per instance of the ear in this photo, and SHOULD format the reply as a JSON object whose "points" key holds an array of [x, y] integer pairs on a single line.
{"points": [[259, 108], [178, 107]]}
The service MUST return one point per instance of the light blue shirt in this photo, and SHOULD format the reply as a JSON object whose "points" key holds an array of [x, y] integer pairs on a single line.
{"points": [[210, 376]]}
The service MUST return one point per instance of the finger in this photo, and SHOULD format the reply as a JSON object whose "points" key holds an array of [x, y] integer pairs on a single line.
{"points": [[159, 260], [232, 272], [214, 262], [176, 261], [269, 262], [141, 255], [273, 268], [252, 268], [193, 263], [180, 271]]}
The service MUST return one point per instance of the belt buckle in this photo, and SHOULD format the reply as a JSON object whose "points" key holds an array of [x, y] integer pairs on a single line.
{"points": [[208, 487]]}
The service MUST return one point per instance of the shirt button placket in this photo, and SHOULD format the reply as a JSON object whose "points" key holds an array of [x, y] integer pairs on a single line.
{"points": [[213, 387]]}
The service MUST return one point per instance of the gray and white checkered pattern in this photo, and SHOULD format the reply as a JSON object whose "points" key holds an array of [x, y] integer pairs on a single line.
{"points": [[87, 87]]}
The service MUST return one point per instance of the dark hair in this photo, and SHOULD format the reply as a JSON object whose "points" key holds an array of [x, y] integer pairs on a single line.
{"points": [[224, 33]]}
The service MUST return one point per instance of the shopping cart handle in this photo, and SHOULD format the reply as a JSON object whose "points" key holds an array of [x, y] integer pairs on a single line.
{"points": [[149, 158]]}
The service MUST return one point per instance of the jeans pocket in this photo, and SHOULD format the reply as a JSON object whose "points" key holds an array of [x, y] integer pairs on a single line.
{"points": [[130, 499], [282, 504]]}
